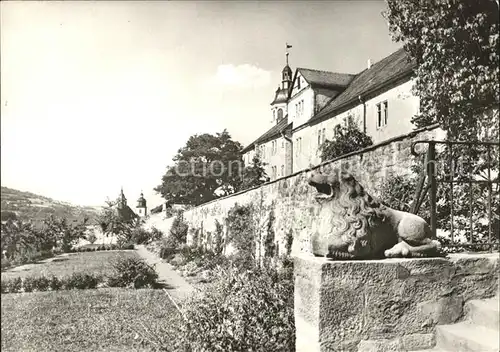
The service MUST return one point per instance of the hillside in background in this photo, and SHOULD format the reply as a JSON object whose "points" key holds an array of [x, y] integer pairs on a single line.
{"points": [[30, 206]]}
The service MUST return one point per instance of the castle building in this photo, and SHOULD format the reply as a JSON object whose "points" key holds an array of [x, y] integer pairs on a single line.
{"points": [[307, 108]]}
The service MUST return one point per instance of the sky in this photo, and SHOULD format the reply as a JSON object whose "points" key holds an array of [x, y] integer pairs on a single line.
{"points": [[96, 96]]}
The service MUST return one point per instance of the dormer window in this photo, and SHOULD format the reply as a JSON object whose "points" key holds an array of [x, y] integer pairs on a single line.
{"points": [[298, 83]]}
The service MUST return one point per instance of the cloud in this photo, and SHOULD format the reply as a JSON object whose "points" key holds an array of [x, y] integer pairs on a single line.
{"points": [[241, 76]]}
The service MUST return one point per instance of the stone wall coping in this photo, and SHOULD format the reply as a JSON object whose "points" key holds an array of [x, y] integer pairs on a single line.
{"points": [[451, 258]]}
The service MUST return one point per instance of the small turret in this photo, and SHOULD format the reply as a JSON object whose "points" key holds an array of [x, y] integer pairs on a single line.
{"points": [[141, 207]]}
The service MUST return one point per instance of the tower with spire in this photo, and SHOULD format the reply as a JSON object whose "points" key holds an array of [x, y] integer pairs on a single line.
{"points": [[121, 202], [279, 104], [141, 208]]}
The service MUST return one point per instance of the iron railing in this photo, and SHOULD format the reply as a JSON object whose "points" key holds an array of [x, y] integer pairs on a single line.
{"points": [[453, 178]]}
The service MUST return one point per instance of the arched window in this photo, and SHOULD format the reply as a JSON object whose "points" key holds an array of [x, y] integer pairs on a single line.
{"points": [[280, 114]]}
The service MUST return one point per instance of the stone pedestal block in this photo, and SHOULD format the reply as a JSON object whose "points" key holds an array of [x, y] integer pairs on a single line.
{"points": [[393, 304]]}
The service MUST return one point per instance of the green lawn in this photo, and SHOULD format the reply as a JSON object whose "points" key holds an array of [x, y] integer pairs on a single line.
{"points": [[66, 264], [86, 320]]}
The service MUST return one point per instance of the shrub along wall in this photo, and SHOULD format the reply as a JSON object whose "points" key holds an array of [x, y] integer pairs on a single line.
{"points": [[287, 204]]}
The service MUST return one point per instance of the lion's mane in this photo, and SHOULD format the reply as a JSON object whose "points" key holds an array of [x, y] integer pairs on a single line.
{"points": [[354, 215]]}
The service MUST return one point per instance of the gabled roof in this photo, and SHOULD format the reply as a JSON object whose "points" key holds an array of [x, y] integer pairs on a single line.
{"points": [[327, 91], [272, 132], [380, 74], [325, 78]]}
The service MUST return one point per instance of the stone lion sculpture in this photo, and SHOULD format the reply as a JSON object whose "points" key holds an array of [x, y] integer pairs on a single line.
{"points": [[353, 225]]}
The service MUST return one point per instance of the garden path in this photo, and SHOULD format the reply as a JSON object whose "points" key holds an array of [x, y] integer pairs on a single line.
{"points": [[177, 286]]}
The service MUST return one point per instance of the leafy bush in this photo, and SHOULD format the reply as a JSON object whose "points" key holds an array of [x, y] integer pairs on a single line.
{"points": [[168, 247], [348, 139], [218, 240], [179, 228], [132, 272], [41, 283], [5, 264], [14, 285], [127, 246], [242, 311], [269, 244], [241, 233], [55, 283], [81, 281], [398, 191], [143, 236], [28, 284], [156, 234]]}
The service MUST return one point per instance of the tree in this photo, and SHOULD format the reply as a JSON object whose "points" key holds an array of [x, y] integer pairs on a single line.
{"points": [[347, 139], [17, 237], [8, 215], [113, 222], [254, 174], [208, 163], [455, 46], [58, 232]]}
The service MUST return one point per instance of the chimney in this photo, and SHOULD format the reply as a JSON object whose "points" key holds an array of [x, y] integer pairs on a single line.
{"points": [[369, 63]]}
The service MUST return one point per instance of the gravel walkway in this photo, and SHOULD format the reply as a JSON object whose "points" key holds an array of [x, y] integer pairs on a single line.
{"points": [[176, 285]]}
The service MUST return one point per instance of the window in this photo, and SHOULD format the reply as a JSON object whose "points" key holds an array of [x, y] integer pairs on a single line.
{"points": [[319, 137], [301, 107], [382, 114], [274, 115], [282, 170], [386, 112], [298, 83], [274, 172], [323, 135], [280, 114]]}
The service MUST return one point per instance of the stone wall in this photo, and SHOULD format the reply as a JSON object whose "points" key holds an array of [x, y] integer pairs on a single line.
{"points": [[292, 199], [385, 305]]}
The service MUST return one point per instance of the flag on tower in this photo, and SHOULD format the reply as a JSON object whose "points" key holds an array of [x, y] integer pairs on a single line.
{"points": [[288, 46]]}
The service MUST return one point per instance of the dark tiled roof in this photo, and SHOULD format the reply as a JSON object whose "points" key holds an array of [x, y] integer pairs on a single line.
{"points": [[272, 132], [326, 78], [281, 96], [381, 73], [327, 92]]}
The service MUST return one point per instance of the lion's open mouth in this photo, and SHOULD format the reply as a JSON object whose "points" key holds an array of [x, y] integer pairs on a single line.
{"points": [[323, 188]]}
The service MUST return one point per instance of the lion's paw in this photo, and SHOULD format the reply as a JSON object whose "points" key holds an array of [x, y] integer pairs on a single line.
{"points": [[402, 249]]}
